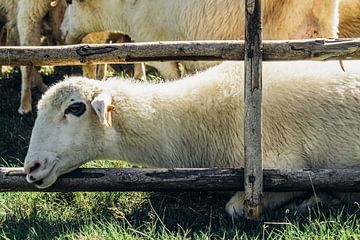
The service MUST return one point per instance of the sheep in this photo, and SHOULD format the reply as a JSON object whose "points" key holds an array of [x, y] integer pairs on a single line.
{"points": [[349, 18], [8, 12], [91, 71], [161, 20], [27, 17], [310, 120], [30, 17], [8, 31]]}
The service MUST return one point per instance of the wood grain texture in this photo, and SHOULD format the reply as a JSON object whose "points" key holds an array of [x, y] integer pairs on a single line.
{"points": [[319, 50], [253, 175], [183, 179]]}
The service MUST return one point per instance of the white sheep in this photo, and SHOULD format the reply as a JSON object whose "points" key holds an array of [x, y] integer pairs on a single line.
{"points": [[30, 18], [310, 120], [349, 18], [163, 20], [10, 9], [8, 32]]}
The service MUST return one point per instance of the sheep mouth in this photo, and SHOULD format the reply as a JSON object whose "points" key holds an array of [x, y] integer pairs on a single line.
{"points": [[45, 181], [51, 177], [42, 183], [39, 182]]}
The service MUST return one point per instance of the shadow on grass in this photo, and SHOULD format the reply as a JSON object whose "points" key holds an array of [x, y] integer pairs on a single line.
{"points": [[204, 213], [33, 227], [193, 215]]}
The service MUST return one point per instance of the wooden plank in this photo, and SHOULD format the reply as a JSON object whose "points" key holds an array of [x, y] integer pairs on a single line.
{"points": [[321, 49], [182, 179], [252, 112]]}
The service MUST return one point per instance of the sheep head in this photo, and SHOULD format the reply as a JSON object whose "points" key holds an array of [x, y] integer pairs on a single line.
{"points": [[84, 17], [69, 130]]}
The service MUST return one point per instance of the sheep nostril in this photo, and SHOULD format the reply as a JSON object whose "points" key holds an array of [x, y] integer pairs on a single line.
{"points": [[34, 167]]}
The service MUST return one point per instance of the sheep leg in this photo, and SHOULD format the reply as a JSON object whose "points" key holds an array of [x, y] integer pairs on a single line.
{"points": [[56, 15], [139, 68], [29, 76], [25, 103], [139, 71], [168, 70], [94, 71], [101, 71], [313, 202], [89, 71], [29, 21], [348, 197], [37, 81], [321, 199], [12, 38], [271, 200]]}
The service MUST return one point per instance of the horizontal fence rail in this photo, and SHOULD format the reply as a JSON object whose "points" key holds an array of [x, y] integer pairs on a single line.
{"points": [[320, 49], [185, 179]]}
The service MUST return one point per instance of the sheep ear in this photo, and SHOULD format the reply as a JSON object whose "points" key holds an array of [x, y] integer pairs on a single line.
{"points": [[103, 108]]}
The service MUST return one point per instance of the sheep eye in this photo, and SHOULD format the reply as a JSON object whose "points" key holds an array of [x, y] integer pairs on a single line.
{"points": [[77, 109], [69, 1]]}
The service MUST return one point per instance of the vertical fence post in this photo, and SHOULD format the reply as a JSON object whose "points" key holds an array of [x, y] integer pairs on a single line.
{"points": [[252, 110]]}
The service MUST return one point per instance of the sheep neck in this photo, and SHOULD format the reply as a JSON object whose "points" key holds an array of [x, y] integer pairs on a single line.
{"points": [[155, 125]]}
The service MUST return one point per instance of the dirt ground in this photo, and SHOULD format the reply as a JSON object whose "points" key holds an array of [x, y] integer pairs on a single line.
{"points": [[15, 129]]}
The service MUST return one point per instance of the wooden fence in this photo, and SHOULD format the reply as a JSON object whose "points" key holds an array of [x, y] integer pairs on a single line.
{"points": [[252, 179], [185, 179], [310, 49]]}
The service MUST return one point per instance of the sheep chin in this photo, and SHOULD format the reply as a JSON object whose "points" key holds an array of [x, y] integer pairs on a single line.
{"points": [[51, 178], [47, 181]]}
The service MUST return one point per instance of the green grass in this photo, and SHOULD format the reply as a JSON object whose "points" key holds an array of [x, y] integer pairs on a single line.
{"points": [[121, 215]]}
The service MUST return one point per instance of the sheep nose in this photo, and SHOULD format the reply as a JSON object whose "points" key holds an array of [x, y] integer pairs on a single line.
{"points": [[33, 166]]}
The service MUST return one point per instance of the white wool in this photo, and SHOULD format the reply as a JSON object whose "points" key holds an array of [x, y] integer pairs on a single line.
{"points": [[164, 20], [349, 18], [30, 24], [310, 120], [29, 19]]}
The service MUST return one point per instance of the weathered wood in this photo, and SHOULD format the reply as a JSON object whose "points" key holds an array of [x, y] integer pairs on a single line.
{"points": [[252, 111], [321, 49], [195, 179]]}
